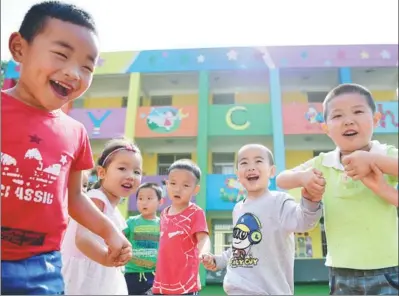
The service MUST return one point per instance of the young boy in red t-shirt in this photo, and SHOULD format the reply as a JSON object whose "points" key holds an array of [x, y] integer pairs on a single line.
{"points": [[184, 237], [44, 151]]}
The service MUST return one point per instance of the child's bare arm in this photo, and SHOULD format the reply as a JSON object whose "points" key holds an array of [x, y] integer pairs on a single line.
{"points": [[90, 247], [204, 243], [304, 175], [376, 182], [387, 164], [83, 211]]}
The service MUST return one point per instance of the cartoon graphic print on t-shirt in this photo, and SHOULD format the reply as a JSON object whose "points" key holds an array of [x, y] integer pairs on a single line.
{"points": [[32, 177], [246, 233]]}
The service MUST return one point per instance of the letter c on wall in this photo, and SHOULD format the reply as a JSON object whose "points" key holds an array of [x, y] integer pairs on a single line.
{"points": [[231, 124]]}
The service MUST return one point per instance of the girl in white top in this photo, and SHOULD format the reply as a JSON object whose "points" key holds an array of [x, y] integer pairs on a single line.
{"points": [[87, 268]]}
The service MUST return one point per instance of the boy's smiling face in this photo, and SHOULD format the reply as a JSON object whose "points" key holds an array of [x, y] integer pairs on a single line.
{"points": [[56, 66], [254, 169], [350, 122]]}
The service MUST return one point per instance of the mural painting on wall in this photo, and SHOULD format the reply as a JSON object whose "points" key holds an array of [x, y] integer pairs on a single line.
{"points": [[224, 191], [166, 121], [101, 123], [314, 117], [303, 118]]}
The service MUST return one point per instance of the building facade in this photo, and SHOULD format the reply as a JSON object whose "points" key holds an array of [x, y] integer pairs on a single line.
{"points": [[204, 104]]}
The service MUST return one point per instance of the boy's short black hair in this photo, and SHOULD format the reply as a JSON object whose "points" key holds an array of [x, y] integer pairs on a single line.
{"points": [[37, 16], [348, 88], [188, 165], [153, 186]]}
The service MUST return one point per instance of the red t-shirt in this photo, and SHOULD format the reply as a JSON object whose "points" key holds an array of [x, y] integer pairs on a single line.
{"points": [[178, 258], [38, 150]]}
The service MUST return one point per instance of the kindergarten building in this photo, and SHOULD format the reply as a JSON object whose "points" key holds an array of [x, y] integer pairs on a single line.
{"points": [[204, 104]]}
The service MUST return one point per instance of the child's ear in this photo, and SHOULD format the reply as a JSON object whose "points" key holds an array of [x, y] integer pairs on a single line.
{"points": [[161, 201], [100, 172], [17, 46], [272, 171], [376, 118], [197, 189]]}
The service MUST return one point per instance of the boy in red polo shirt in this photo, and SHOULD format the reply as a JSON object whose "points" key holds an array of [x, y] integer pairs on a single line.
{"points": [[44, 151], [184, 235]]}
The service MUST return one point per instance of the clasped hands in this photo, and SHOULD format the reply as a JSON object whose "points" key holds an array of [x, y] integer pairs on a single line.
{"points": [[358, 165]]}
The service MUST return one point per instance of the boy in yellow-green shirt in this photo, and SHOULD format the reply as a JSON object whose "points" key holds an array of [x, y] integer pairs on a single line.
{"points": [[143, 234], [360, 212]]}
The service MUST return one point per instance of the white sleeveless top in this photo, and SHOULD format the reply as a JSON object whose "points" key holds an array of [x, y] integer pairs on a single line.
{"points": [[82, 276]]}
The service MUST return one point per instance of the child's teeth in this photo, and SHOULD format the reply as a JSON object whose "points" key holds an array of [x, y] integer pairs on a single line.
{"points": [[62, 84]]}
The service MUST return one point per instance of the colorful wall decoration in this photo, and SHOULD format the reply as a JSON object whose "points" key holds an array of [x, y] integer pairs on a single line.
{"points": [[307, 118], [236, 58], [168, 121], [224, 191], [153, 179], [388, 123], [250, 119], [101, 123]]}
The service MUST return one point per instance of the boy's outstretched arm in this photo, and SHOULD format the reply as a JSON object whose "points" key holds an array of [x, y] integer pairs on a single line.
{"points": [[204, 243], [377, 183], [83, 211], [294, 178], [300, 217], [387, 164], [222, 260], [290, 179]]}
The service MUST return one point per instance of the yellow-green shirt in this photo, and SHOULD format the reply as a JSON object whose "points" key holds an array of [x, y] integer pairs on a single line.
{"points": [[361, 228]]}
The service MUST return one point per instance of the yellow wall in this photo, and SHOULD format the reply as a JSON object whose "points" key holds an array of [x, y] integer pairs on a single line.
{"points": [[298, 97], [251, 98], [185, 100], [146, 102], [115, 102], [177, 100], [293, 159], [317, 249], [384, 95], [301, 97], [150, 166]]}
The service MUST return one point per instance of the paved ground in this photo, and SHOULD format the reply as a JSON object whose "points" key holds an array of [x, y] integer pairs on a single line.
{"points": [[312, 289]]}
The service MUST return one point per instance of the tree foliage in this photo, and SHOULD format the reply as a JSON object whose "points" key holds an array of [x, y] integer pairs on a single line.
{"points": [[3, 70]]}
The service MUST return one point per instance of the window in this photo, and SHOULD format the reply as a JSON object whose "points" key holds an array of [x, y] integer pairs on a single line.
{"points": [[161, 100], [316, 96], [223, 163], [223, 99], [223, 237], [165, 160], [124, 102]]}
